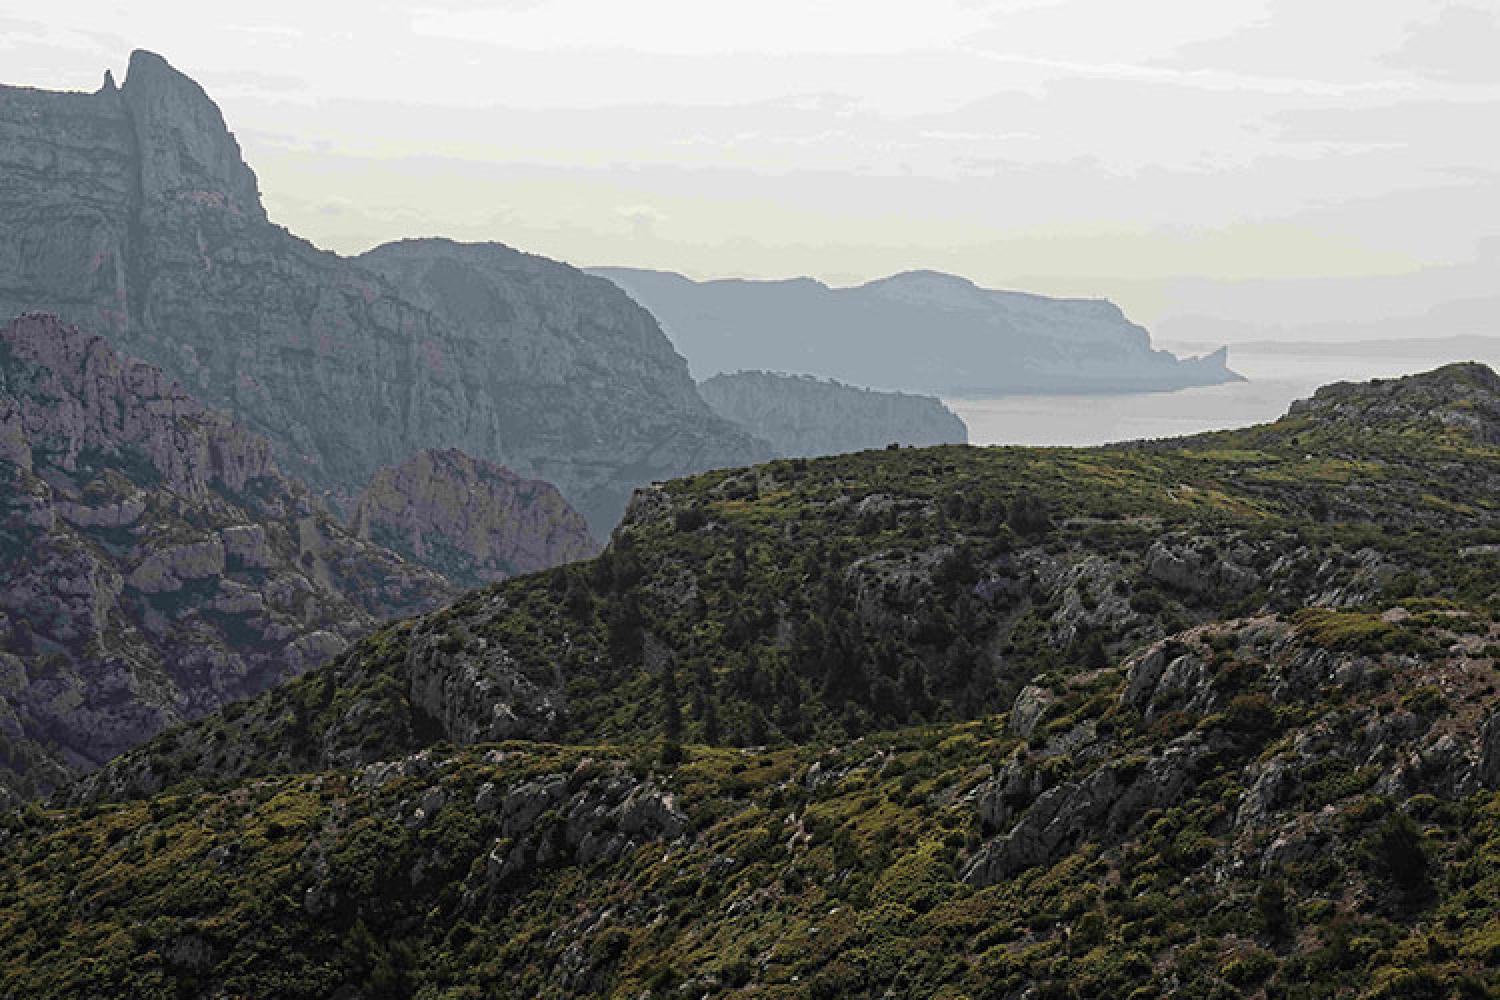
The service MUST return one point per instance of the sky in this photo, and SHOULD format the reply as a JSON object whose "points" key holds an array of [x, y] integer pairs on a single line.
{"points": [[1231, 170]]}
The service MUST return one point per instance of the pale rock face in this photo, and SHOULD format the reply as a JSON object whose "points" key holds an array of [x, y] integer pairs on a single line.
{"points": [[247, 544], [80, 396], [1104, 805], [167, 569], [1031, 704], [154, 563], [1196, 571], [472, 520], [605, 813], [131, 213]]}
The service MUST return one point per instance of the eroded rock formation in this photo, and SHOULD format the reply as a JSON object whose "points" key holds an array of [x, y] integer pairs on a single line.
{"points": [[156, 564]]}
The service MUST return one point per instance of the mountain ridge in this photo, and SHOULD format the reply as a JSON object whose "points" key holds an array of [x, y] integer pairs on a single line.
{"points": [[917, 331], [872, 638]]}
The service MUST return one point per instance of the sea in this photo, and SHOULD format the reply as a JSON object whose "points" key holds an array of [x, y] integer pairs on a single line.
{"points": [[1275, 380]]}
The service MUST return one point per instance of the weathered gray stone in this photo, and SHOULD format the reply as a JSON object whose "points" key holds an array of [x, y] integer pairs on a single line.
{"points": [[1029, 707]]}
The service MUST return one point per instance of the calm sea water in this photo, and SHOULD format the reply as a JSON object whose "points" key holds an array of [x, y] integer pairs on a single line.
{"points": [[1275, 381]]}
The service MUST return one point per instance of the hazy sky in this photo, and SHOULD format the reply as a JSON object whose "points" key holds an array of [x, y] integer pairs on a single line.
{"points": [[1328, 165]]}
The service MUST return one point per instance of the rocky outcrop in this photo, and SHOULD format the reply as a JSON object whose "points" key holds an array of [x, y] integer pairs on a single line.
{"points": [[156, 562], [1461, 397], [72, 397], [469, 519], [131, 213], [802, 416], [921, 331], [1102, 806], [1242, 683], [593, 814], [1197, 570]]}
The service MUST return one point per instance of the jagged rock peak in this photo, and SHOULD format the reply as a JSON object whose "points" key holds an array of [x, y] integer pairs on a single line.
{"points": [[147, 228], [109, 82], [186, 149]]}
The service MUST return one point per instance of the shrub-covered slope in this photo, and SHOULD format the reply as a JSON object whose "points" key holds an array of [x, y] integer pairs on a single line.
{"points": [[1273, 806], [1204, 718], [801, 601]]}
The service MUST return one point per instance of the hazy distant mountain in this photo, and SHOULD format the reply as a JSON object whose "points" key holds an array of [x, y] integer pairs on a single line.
{"points": [[921, 331], [1471, 318], [130, 212], [803, 416], [1457, 348]]}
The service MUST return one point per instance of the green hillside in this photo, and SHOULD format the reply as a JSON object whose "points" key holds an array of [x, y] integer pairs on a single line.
{"points": [[1208, 717]]}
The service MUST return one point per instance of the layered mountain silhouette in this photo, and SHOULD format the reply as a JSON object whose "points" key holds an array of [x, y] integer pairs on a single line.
{"points": [[131, 212], [922, 331]]}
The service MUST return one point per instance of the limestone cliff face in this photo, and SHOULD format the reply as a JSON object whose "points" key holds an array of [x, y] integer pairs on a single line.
{"points": [[156, 564], [131, 213], [577, 384], [472, 520], [802, 416]]}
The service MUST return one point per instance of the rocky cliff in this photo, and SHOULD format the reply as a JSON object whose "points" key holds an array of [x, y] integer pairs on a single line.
{"points": [[130, 212], [471, 520], [156, 564], [576, 383], [921, 331], [802, 416]]}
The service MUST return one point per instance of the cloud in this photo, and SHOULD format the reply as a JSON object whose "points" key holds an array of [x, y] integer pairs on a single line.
{"points": [[1323, 44], [1461, 44], [251, 80], [643, 219], [771, 27]]}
